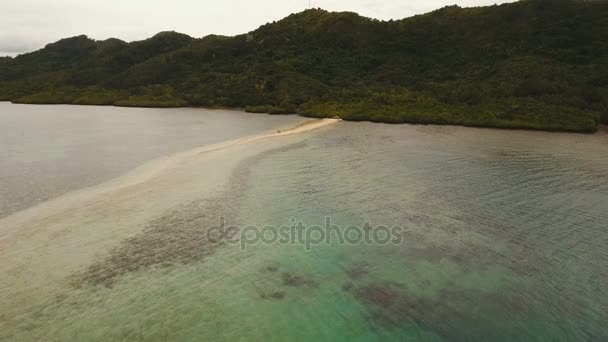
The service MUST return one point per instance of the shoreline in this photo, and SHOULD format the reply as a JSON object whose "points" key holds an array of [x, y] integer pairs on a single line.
{"points": [[601, 127], [93, 220], [141, 174]]}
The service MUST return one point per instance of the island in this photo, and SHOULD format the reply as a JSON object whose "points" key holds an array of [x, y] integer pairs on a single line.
{"points": [[532, 64]]}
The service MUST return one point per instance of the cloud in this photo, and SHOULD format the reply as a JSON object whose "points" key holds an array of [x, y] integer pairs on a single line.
{"points": [[27, 25]]}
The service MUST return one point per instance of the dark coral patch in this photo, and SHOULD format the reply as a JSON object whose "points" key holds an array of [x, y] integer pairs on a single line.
{"points": [[357, 271], [178, 237], [276, 295], [271, 269], [348, 286], [297, 280], [450, 314]]}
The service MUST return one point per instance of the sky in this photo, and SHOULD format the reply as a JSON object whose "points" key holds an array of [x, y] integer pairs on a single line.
{"points": [[27, 25]]}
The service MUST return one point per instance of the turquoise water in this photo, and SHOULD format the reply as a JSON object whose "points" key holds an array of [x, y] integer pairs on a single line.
{"points": [[505, 238]]}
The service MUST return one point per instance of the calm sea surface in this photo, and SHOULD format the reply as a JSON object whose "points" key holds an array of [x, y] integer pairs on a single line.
{"points": [[46, 151], [505, 237]]}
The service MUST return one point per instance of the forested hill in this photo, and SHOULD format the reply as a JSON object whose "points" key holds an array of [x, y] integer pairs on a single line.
{"points": [[535, 64]]}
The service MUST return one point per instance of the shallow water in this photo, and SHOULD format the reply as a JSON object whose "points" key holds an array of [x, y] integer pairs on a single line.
{"points": [[46, 151], [505, 239]]}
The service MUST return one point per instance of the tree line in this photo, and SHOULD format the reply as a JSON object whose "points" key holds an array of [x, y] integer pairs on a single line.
{"points": [[535, 64]]}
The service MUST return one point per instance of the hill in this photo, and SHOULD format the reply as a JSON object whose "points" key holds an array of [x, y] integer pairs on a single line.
{"points": [[535, 64]]}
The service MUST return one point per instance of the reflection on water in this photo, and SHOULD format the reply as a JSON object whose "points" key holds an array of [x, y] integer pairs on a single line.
{"points": [[505, 239]]}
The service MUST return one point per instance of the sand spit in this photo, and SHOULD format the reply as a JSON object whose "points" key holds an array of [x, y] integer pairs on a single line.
{"points": [[146, 172], [42, 245]]}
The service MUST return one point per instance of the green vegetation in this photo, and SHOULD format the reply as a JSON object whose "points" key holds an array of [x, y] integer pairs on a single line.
{"points": [[270, 109], [536, 64]]}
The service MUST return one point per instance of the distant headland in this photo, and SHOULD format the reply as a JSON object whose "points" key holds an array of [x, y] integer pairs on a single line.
{"points": [[533, 64]]}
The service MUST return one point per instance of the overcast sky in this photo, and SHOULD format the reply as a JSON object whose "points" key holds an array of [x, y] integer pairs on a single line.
{"points": [[27, 25]]}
